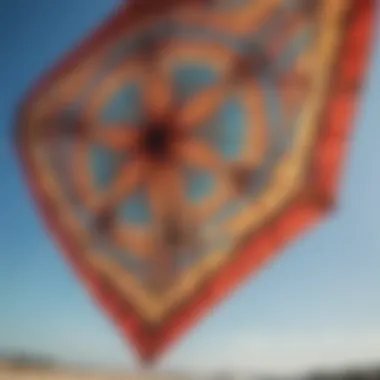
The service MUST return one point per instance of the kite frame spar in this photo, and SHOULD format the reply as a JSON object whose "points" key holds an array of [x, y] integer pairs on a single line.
{"points": [[309, 206]]}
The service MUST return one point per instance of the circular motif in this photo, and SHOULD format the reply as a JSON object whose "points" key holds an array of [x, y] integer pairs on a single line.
{"points": [[176, 132]]}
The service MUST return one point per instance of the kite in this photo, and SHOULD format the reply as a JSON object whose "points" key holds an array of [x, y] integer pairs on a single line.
{"points": [[182, 144]]}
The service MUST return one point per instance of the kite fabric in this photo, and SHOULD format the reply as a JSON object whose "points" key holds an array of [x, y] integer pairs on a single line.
{"points": [[184, 142]]}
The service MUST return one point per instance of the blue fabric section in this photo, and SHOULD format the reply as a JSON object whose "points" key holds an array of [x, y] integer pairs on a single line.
{"points": [[225, 129], [124, 105], [190, 78], [230, 121], [135, 209], [104, 164], [199, 183]]}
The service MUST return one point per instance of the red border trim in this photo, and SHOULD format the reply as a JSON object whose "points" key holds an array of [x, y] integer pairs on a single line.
{"points": [[305, 210]]}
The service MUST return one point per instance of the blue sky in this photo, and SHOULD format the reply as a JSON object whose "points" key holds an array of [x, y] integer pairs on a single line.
{"points": [[318, 304]]}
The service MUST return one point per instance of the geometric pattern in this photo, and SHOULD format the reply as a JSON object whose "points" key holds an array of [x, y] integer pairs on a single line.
{"points": [[179, 146]]}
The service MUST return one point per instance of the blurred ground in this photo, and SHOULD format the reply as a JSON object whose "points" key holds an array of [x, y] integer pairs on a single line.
{"points": [[62, 375]]}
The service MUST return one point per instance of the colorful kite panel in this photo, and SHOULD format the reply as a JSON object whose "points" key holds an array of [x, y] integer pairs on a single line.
{"points": [[181, 145]]}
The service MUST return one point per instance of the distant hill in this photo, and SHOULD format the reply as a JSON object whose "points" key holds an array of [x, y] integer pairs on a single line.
{"points": [[362, 374], [25, 361]]}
